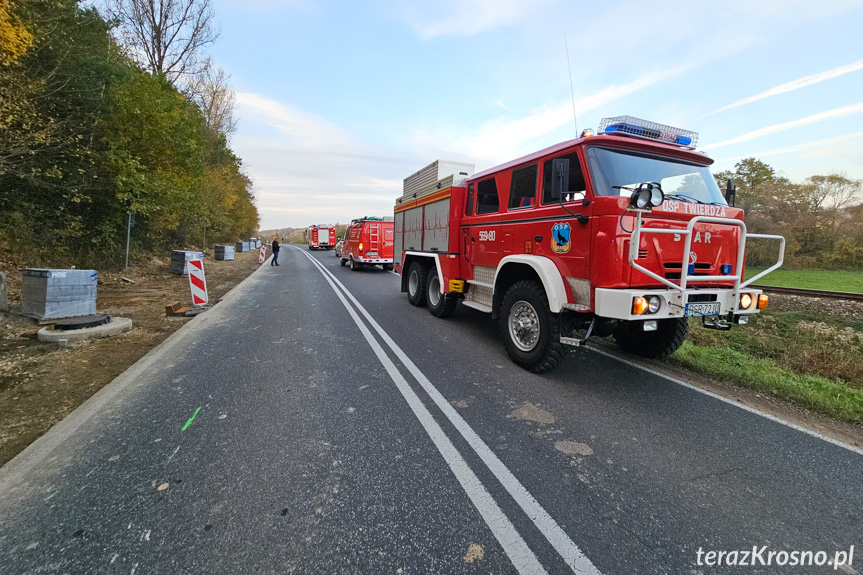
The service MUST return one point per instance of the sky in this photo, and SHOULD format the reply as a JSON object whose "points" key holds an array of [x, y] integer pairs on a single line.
{"points": [[339, 101]]}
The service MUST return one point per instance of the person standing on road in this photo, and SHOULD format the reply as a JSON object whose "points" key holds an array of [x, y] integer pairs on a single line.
{"points": [[275, 245]]}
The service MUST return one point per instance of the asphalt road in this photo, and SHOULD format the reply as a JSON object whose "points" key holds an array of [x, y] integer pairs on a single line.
{"points": [[315, 422]]}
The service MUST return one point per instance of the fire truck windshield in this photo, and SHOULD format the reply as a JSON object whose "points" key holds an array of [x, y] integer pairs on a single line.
{"points": [[611, 169]]}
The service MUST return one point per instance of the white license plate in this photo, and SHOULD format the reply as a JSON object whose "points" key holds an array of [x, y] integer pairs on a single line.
{"points": [[697, 309], [372, 254]]}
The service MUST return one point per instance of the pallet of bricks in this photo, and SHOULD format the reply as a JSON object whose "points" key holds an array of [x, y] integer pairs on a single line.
{"points": [[180, 261], [58, 293]]}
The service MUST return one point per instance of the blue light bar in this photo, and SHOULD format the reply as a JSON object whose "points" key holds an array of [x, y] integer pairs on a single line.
{"points": [[629, 125]]}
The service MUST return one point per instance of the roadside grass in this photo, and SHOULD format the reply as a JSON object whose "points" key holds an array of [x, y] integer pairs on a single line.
{"points": [[850, 281], [811, 360]]}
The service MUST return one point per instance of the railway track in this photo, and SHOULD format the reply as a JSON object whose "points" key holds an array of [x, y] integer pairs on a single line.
{"points": [[811, 292]]}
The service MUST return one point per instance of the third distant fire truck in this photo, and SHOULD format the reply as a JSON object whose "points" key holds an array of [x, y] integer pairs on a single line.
{"points": [[322, 237], [624, 233]]}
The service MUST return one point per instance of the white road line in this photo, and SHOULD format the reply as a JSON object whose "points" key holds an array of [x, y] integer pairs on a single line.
{"points": [[742, 406], [521, 556], [568, 550]]}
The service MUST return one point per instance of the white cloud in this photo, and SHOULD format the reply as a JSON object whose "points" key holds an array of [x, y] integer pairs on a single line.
{"points": [[308, 170], [504, 139], [822, 147], [794, 85], [808, 120], [469, 17]]}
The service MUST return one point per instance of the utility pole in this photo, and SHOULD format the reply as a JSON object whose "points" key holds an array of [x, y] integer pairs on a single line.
{"points": [[129, 223]]}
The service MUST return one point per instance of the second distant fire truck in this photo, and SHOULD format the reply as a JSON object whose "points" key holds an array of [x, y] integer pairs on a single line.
{"points": [[624, 233], [322, 237], [368, 241]]}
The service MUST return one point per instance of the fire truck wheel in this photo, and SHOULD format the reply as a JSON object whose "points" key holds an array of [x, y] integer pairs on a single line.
{"points": [[417, 284], [438, 303], [668, 336], [343, 261], [355, 265], [530, 331]]}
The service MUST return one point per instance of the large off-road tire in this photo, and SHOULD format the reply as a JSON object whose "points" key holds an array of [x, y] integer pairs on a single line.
{"points": [[355, 265], [417, 284], [439, 304], [669, 336], [531, 333], [343, 261]]}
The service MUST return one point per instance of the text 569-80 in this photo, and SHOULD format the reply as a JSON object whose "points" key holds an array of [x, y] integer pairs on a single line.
{"points": [[486, 236]]}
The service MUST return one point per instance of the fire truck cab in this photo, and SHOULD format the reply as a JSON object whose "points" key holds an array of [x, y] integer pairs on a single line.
{"points": [[624, 234], [322, 237]]}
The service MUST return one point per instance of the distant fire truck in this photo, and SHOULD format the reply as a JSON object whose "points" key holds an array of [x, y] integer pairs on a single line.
{"points": [[322, 237], [624, 233], [368, 241]]}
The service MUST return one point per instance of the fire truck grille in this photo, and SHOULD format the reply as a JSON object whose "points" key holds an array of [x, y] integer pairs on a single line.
{"points": [[642, 254], [702, 269]]}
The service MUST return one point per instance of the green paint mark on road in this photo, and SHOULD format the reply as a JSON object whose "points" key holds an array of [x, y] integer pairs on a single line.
{"points": [[191, 419]]}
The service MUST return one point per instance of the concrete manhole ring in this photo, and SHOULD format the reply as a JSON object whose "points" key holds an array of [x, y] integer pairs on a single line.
{"points": [[116, 326]]}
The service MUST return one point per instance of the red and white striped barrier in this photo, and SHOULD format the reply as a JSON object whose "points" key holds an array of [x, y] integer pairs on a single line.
{"points": [[263, 255], [197, 282]]}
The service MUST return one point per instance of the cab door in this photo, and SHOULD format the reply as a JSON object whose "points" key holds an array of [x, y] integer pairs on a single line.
{"points": [[481, 229], [564, 226]]}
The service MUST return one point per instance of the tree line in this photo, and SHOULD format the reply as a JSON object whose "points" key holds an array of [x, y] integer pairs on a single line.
{"points": [[821, 218], [93, 126]]}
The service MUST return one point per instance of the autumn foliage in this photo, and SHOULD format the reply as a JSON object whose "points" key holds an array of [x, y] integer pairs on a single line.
{"points": [[87, 135]]}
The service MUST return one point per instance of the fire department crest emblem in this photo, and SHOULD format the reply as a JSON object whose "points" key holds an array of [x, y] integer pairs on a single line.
{"points": [[560, 237]]}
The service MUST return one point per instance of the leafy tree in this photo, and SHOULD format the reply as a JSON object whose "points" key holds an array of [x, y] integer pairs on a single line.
{"points": [[86, 135], [15, 39]]}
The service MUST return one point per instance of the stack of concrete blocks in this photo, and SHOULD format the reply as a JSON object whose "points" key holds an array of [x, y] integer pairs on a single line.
{"points": [[180, 261], [224, 253], [58, 293]]}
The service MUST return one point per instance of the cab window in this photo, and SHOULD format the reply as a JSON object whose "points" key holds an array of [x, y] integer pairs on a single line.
{"points": [[576, 181], [486, 197], [522, 190], [468, 209]]}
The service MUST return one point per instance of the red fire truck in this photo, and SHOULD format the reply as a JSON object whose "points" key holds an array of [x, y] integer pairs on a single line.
{"points": [[369, 241], [322, 237], [624, 233]]}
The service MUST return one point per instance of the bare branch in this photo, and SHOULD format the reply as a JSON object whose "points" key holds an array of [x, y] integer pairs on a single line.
{"points": [[210, 89], [169, 36]]}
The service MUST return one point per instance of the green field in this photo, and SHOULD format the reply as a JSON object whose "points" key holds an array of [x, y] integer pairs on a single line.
{"points": [[809, 359], [830, 280]]}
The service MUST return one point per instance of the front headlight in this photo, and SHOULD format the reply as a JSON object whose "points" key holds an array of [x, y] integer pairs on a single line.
{"points": [[653, 304], [745, 300]]}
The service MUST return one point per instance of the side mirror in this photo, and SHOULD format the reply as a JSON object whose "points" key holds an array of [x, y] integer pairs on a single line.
{"points": [[730, 193], [559, 178]]}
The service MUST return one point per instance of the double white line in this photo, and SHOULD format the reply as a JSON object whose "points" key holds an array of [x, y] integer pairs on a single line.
{"points": [[522, 557]]}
